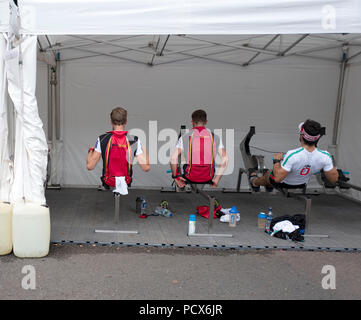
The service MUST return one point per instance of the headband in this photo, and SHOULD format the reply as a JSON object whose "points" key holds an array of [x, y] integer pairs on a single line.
{"points": [[305, 135]]}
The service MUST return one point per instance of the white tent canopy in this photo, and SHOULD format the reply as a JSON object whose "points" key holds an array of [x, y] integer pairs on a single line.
{"points": [[264, 63], [189, 16]]}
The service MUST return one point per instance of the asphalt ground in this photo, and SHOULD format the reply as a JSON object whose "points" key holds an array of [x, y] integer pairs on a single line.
{"points": [[89, 272]]}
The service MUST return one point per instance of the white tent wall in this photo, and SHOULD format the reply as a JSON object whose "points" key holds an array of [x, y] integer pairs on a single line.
{"points": [[4, 16], [29, 167], [275, 97], [349, 146], [5, 163], [42, 93]]}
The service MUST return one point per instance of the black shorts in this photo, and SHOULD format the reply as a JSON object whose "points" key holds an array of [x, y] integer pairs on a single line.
{"points": [[282, 185]]}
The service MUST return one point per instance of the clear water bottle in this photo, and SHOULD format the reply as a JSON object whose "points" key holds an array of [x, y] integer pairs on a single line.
{"points": [[269, 220], [167, 213], [163, 212], [143, 206]]}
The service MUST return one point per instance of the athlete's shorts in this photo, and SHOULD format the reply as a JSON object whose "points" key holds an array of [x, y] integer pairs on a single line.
{"points": [[282, 185]]}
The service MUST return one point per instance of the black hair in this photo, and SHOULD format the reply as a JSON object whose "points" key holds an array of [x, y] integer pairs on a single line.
{"points": [[313, 128]]}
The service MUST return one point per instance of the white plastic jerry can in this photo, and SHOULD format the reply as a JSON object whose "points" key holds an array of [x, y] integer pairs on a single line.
{"points": [[6, 242], [31, 230]]}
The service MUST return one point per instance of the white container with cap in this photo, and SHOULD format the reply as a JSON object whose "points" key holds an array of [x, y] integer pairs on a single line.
{"points": [[31, 230], [192, 224], [6, 242]]}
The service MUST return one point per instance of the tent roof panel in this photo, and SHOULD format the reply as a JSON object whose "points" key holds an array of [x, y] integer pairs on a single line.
{"points": [[53, 17]]}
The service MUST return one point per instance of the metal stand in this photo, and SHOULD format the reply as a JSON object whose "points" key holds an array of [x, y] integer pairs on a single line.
{"points": [[116, 218], [210, 217], [250, 161], [239, 181], [308, 204]]}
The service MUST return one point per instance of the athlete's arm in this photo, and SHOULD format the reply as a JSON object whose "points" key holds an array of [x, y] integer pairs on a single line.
{"points": [[174, 164], [332, 175], [92, 159], [330, 170], [143, 160], [224, 163], [278, 172]]}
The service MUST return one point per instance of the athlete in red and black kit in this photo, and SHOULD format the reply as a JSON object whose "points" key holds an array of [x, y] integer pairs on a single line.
{"points": [[197, 150], [117, 149]]}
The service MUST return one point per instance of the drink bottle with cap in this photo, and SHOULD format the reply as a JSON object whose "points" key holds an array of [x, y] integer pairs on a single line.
{"points": [[269, 220], [192, 224]]}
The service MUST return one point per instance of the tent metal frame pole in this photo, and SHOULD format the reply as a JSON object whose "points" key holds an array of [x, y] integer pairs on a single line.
{"points": [[212, 59], [164, 44], [113, 44], [47, 39], [325, 38], [58, 111], [53, 84], [200, 48], [231, 50], [60, 46], [354, 55], [155, 51], [98, 54], [147, 52], [190, 58], [241, 64], [40, 45], [211, 45], [168, 53], [109, 55], [263, 48], [127, 50], [315, 49], [300, 53], [293, 45], [245, 47], [275, 53], [339, 96]]}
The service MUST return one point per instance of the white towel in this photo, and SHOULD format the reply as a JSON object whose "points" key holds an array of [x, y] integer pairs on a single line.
{"points": [[121, 186], [226, 211], [285, 226], [226, 217]]}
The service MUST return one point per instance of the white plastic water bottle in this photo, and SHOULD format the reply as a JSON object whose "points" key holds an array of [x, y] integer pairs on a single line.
{"points": [[163, 212], [233, 216], [192, 224], [269, 220], [166, 213]]}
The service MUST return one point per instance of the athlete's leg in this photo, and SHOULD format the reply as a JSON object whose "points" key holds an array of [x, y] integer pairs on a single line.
{"points": [[261, 181]]}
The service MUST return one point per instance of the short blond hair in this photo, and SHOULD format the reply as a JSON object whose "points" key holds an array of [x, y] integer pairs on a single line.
{"points": [[118, 116]]}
